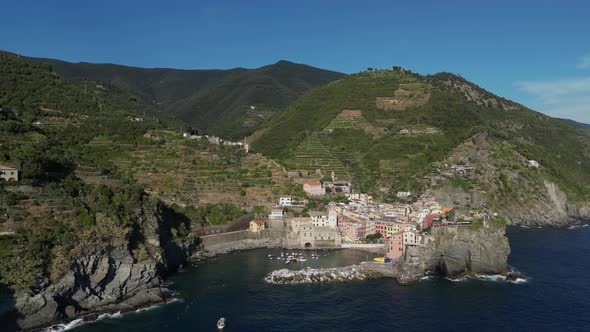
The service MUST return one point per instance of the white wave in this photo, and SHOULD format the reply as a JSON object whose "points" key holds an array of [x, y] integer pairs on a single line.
{"points": [[518, 281], [481, 277], [456, 279], [105, 316], [493, 277], [65, 327], [147, 308]]}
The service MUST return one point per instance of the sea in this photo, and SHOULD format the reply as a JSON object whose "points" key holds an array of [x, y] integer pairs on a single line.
{"points": [[554, 297]]}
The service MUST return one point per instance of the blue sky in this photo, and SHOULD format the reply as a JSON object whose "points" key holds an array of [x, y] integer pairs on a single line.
{"points": [[534, 52]]}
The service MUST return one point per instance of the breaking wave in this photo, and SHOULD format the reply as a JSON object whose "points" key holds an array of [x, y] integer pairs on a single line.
{"points": [[490, 278], [105, 316], [65, 327]]}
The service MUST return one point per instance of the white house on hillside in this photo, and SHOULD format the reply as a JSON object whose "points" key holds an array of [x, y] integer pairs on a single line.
{"points": [[8, 173], [404, 194], [285, 201]]}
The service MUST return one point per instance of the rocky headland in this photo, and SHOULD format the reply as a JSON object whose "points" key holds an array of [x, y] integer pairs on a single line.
{"points": [[108, 278]]}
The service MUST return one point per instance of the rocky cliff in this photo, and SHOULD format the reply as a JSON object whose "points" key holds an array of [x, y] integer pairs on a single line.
{"points": [[501, 182], [109, 278], [457, 251]]}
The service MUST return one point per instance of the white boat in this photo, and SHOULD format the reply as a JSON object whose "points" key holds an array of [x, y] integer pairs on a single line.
{"points": [[221, 323]]}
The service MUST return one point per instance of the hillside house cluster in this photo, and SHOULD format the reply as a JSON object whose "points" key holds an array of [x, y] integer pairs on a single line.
{"points": [[217, 140], [399, 224]]}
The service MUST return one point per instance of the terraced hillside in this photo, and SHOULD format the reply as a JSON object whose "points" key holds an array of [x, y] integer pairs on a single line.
{"points": [[193, 172], [395, 130], [27, 202]]}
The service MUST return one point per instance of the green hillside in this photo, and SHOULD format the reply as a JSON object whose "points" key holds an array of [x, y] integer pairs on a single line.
{"points": [[229, 103], [394, 128], [78, 150]]}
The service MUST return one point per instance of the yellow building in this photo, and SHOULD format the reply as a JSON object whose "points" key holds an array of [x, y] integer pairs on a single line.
{"points": [[257, 225], [391, 229]]}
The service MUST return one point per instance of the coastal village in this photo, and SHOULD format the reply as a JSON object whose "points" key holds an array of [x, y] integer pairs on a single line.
{"points": [[361, 221]]}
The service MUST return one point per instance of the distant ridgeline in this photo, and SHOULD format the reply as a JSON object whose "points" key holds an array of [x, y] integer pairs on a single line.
{"points": [[229, 103], [394, 130]]}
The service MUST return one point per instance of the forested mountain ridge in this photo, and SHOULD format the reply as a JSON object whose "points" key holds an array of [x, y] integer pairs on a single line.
{"points": [[229, 103]]}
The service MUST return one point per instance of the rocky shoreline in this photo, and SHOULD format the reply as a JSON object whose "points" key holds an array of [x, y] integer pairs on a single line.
{"points": [[107, 278], [455, 252], [113, 282], [363, 271]]}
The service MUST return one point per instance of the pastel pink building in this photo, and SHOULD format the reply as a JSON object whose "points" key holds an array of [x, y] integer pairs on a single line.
{"points": [[395, 246], [353, 229], [381, 227]]}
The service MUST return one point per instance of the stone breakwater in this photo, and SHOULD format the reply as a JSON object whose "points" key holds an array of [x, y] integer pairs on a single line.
{"points": [[311, 275]]}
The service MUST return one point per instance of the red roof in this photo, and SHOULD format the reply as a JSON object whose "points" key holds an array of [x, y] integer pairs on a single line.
{"points": [[285, 196], [430, 217], [259, 222], [313, 183]]}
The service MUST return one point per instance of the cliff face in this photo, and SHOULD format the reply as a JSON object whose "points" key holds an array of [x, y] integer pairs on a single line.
{"points": [[457, 251], [501, 182], [111, 279]]}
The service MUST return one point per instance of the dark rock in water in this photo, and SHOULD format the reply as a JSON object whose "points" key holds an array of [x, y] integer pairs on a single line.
{"points": [[514, 276], [456, 251]]}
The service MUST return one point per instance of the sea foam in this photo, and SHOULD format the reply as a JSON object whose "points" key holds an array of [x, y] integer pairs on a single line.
{"points": [[65, 327]]}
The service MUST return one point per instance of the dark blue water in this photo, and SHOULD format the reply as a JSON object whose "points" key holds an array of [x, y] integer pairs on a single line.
{"points": [[555, 298]]}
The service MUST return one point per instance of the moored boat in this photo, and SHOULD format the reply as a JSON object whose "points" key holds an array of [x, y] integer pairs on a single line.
{"points": [[221, 323]]}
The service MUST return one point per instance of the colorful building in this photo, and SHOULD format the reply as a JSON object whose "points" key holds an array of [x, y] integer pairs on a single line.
{"points": [[257, 225], [395, 246], [429, 219], [381, 227]]}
